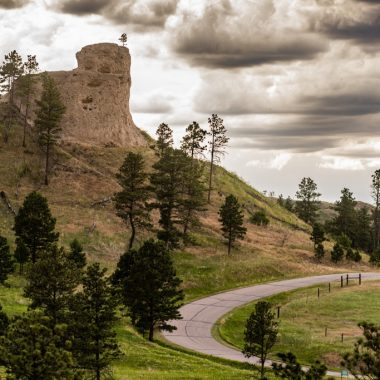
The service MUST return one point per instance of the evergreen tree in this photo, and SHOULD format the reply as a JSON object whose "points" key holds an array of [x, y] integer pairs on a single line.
{"points": [[51, 283], [317, 235], [217, 144], [6, 261], [131, 201], [49, 115], [375, 192], [292, 370], [31, 350], [363, 231], [345, 222], [168, 180], [26, 87], [232, 220], [123, 39], [164, 138], [76, 254], [4, 322], [364, 361], [375, 257], [307, 204], [152, 293], [337, 253], [11, 69], [260, 333], [34, 225], [281, 200], [93, 313], [193, 141]]}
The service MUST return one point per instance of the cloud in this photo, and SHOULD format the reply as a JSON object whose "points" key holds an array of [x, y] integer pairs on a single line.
{"points": [[242, 34], [11, 4], [342, 163], [141, 15], [153, 103]]}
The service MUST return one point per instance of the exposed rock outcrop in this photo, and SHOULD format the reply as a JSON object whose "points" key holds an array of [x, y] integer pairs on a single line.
{"points": [[96, 96]]}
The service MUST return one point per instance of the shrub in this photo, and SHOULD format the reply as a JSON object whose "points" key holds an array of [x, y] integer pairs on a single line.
{"points": [[259, 218], [337, 253]]}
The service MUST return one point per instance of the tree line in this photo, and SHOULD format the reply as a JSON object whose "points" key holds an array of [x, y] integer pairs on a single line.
{"points": [[353, 228]]}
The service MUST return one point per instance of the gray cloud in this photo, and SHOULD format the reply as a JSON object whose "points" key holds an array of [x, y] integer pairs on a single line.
{"points": [[11, 4], [140, 14], [153, 103], [225, 36]]}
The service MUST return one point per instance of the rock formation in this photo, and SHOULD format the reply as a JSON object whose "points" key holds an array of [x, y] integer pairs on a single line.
{"points": [[96, 96]]}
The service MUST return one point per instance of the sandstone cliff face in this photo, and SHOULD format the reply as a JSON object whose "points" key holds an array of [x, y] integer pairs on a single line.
{"points": [[96, 96]]}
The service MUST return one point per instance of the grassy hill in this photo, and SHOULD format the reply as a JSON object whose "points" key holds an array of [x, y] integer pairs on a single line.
{"points": [[83, 181]]}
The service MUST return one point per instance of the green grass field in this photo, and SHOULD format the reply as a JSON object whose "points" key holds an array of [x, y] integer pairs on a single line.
{"points": [[304, 318]]}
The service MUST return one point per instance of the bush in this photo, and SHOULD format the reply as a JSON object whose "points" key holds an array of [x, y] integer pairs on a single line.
{"points": [[353, 255], [319, 252], [259, 218], [337, 253], [375, 257]]}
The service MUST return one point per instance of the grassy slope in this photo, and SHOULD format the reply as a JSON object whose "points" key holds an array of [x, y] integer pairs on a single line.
{"points": [[304, 318], [85, 174]]}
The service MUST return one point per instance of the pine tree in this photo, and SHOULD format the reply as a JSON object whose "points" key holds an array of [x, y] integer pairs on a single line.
{"points": [[6, 261], [217, 144], [31, 350], [317, 235], [168, 180], [94, 317], [49, 115], [123, 39], [164, 138], [51, 283], [337, 253], [307, 196], [346, 220], [289, 204], [260, 333], [319, 252], [131, 201], [281, 201], [152, 289], [25, 88], [193, 141], [11, 69], [34, 225], [363, 231], [76, 254], [232, 220]]}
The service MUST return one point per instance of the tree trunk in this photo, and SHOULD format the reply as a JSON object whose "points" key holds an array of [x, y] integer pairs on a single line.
{"points": [[47, 164], [133, 232], [151, 332], [25, 121]]}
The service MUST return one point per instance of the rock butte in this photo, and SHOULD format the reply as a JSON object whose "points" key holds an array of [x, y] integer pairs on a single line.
{"points": [[96, 96]]}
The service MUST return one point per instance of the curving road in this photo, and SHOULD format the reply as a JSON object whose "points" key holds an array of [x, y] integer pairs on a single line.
{"points": [[194, 330]]}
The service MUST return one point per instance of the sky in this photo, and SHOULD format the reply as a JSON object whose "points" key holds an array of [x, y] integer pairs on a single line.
{"points": [[297, 82]]}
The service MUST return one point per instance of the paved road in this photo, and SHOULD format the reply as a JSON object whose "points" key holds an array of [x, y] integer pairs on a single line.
{"points": [[194, 330]]}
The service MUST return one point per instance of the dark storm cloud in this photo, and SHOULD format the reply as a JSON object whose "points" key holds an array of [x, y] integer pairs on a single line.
{"points": [[141, 14], [307, 134], [225, 36], [11, 4]]}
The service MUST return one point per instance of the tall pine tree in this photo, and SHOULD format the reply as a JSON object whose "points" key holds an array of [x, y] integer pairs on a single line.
{"points": [[307, 204], [131, 201], [375, 192], [51, 283], [152, 292], [49, 115], [217, 144], [94, 316], [231, 217], [164, 138], [35, 226]]}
